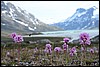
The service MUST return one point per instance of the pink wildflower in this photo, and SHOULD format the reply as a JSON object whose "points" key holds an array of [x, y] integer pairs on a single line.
{"points": [[18, 38], [48, 49], [13, 35], [73, 51], [84, 39], [66, 40], [65, 46], [91, 50], [48, 46], [71, 54], [57, 49]]}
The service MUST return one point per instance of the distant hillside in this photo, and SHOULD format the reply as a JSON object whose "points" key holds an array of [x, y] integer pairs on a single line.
{"points": [[82, 19], [15, 19]]}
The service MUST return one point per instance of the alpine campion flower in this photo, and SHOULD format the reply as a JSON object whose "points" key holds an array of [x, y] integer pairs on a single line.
{"points": [[48, 46], [65, 46], [84, 39], [57, 49], [18, 38], [73, 51], [84, 36], [13, 35], [66, 40], [48, 49], [91, 51], [87, 42], [71, 54]]}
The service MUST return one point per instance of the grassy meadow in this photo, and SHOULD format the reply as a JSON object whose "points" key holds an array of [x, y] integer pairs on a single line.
{"points": [[29, 57]]}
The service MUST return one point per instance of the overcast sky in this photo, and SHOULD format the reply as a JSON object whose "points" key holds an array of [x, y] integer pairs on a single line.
{"points": [[54, 11]]}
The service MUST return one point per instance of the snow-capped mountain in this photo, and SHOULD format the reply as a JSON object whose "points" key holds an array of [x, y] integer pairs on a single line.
{"points": [[80, 20], [14, 19]]}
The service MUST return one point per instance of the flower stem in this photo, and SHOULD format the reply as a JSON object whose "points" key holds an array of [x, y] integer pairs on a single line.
{"points": [[13, 52], [18, 53], [85, 54], [81, 56]]}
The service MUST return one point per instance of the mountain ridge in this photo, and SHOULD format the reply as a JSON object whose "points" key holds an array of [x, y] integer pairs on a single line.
{"points": [[82, 19], [15, 19]]}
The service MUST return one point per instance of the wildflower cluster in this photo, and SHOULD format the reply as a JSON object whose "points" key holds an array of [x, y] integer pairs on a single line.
{"points": [[57, 49], [84, 39], [48, 49], [59, 55], [65, 46], [73, 51], [16, 38]]}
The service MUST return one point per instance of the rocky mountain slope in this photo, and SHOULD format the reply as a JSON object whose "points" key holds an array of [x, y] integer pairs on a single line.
{"points": [[15, 19], [80, 20]]}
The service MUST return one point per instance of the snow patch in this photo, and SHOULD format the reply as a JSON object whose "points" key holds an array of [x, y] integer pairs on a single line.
{"points": [[21, 22], [93, 23], [31, 20], [15, 15], [80, 14], [86, 26], [3, 24], [5, 2], [26, 12], [36, 21], [18, 9], [11, 13], [34, 27], [4, 11], [30, 28], [67, 24], [73, 17], [93, 16], [96, 12]]}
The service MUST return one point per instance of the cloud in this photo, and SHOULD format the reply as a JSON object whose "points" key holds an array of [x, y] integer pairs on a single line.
{"points": [[57, 10]]}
